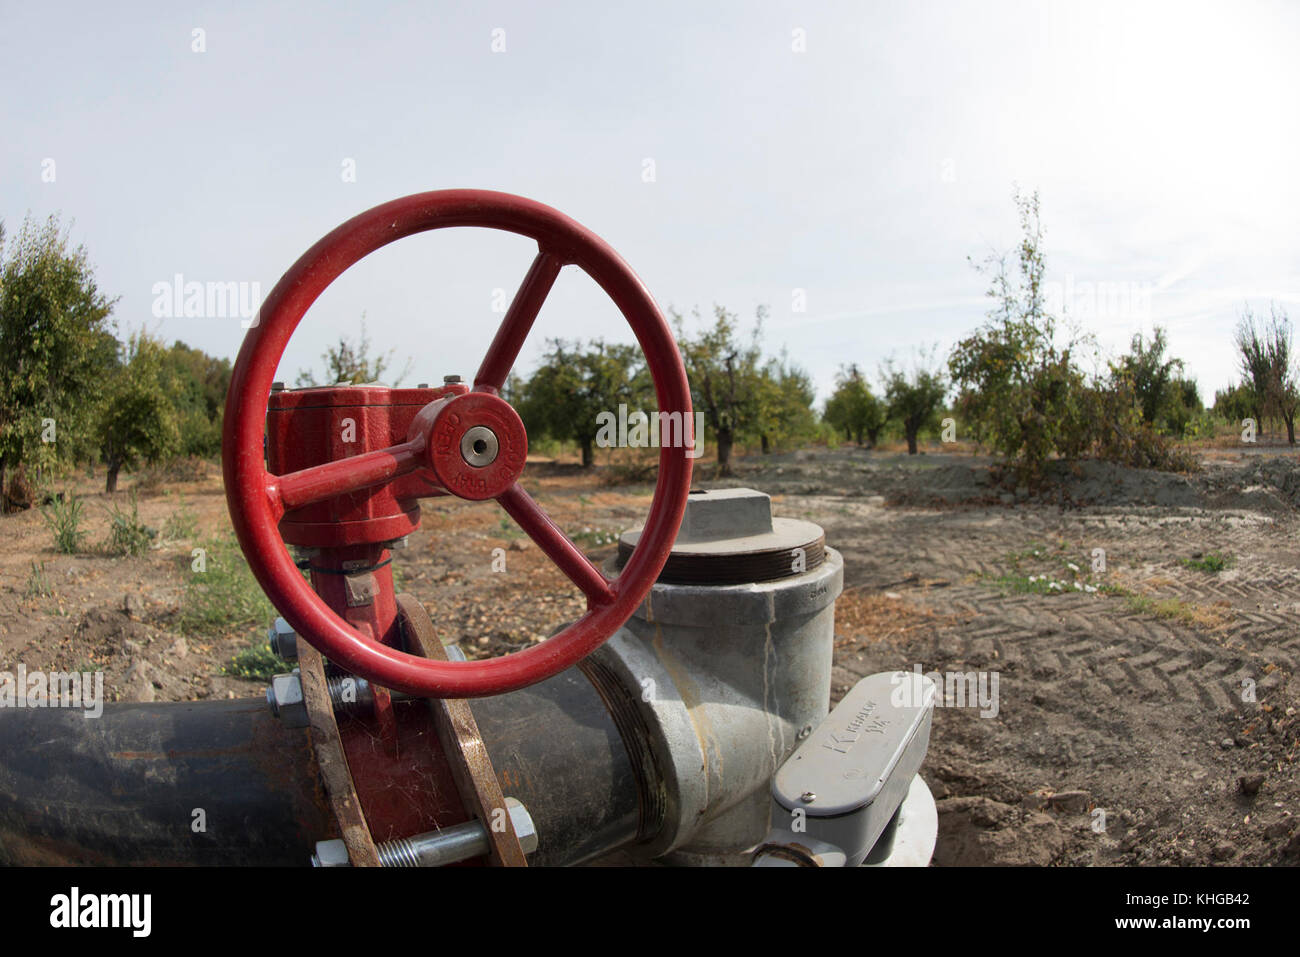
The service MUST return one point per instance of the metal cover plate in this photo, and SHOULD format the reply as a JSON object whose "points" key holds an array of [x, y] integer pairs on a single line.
{"points": [[845, 764]]}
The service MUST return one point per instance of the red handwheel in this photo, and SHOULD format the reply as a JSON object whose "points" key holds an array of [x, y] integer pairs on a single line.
{"points": [[471, 445]]}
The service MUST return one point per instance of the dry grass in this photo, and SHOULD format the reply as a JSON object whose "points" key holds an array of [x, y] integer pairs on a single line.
{"points": [[863, 617]]}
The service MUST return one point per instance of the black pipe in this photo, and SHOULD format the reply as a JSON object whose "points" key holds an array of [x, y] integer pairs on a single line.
{"points": [[225, 783], [557, 747], [204, 782]]}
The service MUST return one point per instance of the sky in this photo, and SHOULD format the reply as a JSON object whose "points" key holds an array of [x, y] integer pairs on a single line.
{"points": [[838, 163]]}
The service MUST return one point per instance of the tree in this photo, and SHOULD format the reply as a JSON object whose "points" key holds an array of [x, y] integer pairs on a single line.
{"points": [[915, 400], [725, 375], [1265, 353], [1236, 402], [196, 383], [574, 385], [853, 409], [349, 363], [1165, 399], [137, 421], [1017, 390], [785, 399], [56, 341]]}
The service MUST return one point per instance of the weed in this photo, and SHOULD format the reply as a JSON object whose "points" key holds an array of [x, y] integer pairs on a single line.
{"points": [[38, 584], [1212, 562], [63, 516], [181, 524], [127, 535], [224, 596], [256, 662]]}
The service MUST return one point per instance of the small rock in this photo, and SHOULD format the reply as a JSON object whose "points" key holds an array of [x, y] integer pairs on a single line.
{"points": [[131, 648], [1071, 802], [1279, 829], [1034, 801], [138, 687], [131, 604], [1227, 744], [519, 544], [1251, 783], [178, 649], [1223, 851]]}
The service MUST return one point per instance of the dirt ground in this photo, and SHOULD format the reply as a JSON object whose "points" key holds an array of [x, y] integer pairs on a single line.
{"points": [[1146, 712]]}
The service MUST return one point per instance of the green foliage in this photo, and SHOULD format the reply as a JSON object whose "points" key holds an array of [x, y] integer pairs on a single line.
{"points": [[915, 400], [127, 535], [56, 341], [1165, 399], [181, 524], [349, 362], [575, 384], [852, 409], [196, 383], [63, 516], [1025, 396], [38, 583], [785, 398], [1266, 357], [138, 421], [1213, 562], [1118, 432], [1235, 403], [257, 662], [1018, 392], [725, 373], [224, 596]]}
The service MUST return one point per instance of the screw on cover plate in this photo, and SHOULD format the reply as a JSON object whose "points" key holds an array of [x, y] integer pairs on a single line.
{"points": [[277, 386], [451, 380], [807, 797]]}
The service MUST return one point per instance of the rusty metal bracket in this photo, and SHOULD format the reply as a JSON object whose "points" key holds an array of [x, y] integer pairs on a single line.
{"points": [[462, 744], [331, 760]]}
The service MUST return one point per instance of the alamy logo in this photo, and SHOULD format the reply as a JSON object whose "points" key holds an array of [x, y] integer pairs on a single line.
{"points": [[74, 909], [179, 299], [641, 430], [58, 689], [953, 689]]}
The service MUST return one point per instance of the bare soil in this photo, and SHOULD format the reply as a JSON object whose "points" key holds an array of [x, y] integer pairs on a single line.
{"points": [[1128, 716]]}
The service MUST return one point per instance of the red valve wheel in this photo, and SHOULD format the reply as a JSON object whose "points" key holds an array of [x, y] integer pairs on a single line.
{"points": [[258, 499]]}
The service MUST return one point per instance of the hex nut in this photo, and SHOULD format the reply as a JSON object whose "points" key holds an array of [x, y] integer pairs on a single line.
{"points": [[283, 640], [525, 829], [331, 854], [284, 695]]}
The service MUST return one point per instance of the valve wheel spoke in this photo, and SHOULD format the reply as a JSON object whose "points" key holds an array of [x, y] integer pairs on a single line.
{"points": [[321, 482], [518, 321], [557, 546]]}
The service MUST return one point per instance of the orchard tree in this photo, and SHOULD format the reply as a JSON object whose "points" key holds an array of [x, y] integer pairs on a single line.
{"points": [[725, 373], [349, 363], [56, 346], [915, 399], [854, 409], [574, 384], [138, 422], [1264, 349], [1017, 390], [786, 396], [1165, 399], [196, 384]]}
